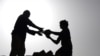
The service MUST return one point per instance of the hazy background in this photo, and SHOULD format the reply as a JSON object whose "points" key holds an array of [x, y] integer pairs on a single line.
{"points": [[83, 17]]}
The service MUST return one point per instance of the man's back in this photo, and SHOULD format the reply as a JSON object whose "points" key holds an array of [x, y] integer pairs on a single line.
{"points": [[20, 27]]}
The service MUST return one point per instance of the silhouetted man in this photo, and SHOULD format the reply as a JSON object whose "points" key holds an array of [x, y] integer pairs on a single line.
{"points": [[64, 37], [19, 34]]}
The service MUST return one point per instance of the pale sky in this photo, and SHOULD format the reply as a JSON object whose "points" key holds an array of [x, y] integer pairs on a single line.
{"points": [[83, 17]]}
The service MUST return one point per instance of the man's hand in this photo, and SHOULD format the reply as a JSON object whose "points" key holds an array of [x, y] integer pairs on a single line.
{"points": [[40, 29], [47, 33], [39, 33]]}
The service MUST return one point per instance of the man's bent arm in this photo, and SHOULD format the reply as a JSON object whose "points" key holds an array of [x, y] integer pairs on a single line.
{"points": [[33, 25]]}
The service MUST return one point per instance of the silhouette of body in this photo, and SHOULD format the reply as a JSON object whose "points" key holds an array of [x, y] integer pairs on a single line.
{"points": [[19, 34], [64, 37]]}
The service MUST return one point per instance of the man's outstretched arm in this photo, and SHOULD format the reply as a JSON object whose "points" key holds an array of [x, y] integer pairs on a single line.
{"points": [[33, 25], [47, 34], [32, 32]]}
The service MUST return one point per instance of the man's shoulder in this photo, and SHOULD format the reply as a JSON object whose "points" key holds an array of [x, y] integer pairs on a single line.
{"points": [[20, 15]]}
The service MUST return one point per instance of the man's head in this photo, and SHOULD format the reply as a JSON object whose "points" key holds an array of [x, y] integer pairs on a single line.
{"points": [[63, 24], [26, 13]]}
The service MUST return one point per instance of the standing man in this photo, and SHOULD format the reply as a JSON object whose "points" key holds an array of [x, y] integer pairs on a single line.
{"points": [[19, 34]]}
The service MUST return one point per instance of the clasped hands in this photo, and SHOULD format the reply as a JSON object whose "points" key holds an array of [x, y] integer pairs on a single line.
{"points": [[45, 32]]}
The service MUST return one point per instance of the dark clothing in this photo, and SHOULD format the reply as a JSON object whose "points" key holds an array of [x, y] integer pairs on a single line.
{"points": [[63, 52], [66, 49], [21, 28], [19, 35], [66, 39], [18, 46]]}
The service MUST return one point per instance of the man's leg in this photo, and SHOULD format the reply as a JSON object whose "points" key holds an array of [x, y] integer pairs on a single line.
{"points": [[13, 46], [13, 52], [21, 52], [21, 49]]}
